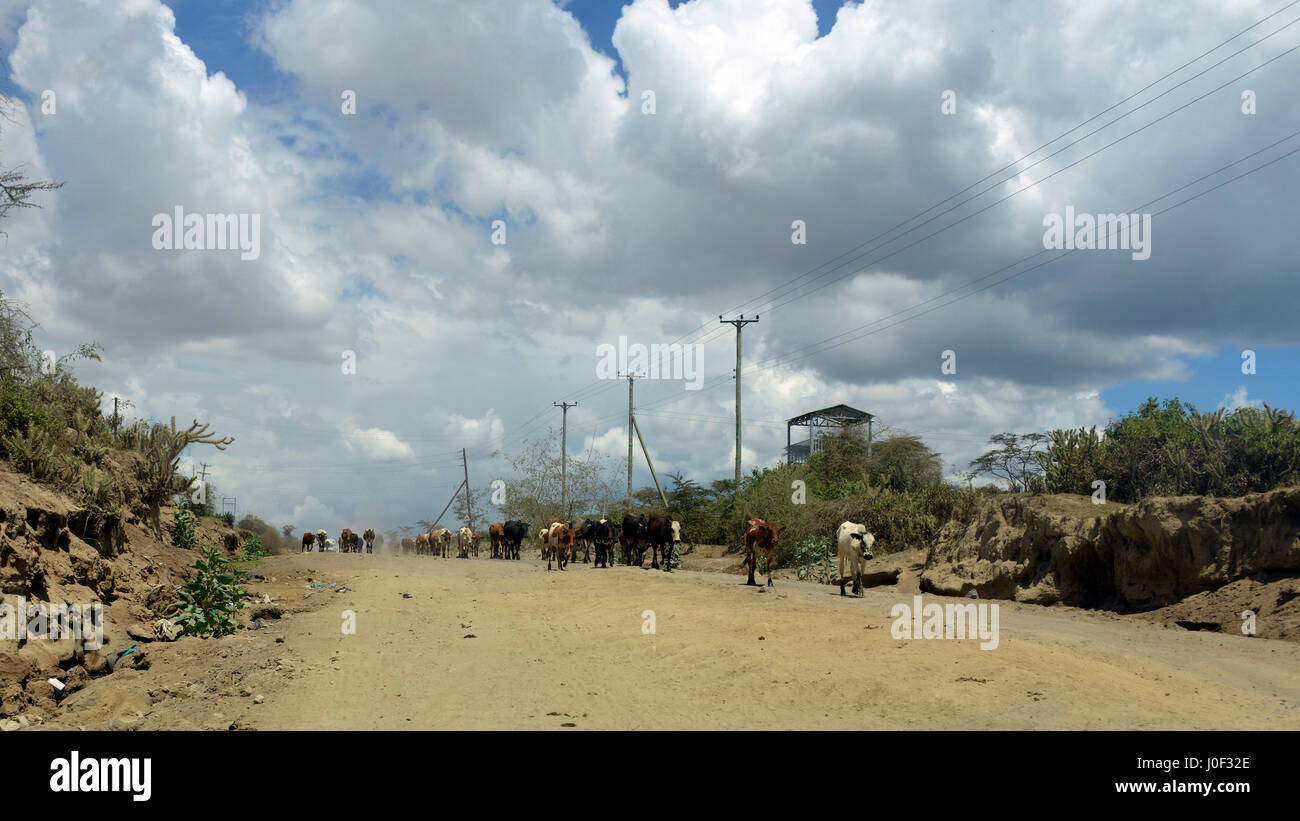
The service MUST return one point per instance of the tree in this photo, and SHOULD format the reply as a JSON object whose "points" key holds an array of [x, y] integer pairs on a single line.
{"points": [[903, 462], [533, 495], [16, 189], [287, 532], [1014, 459]]}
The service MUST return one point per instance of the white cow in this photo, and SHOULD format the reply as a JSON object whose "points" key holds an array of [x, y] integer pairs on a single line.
{"points": [[855, 545], [464, 539], [329, 546]]}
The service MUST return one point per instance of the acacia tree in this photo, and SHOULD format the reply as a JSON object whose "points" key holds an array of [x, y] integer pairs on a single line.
{"points": [[534, 494], [1015, 458], [16, 189]]}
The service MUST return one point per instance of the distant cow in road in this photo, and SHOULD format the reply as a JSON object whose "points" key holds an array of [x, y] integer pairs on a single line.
{"points": [[369, 538], [308, 543], [582, 534], [422, 546], [855, 548], [561, 539], [760, 537], [603, 536], [634, 531], [349, 542], [662, 532], [408, 544], [464, 541], [497, 536], [514, 532]]}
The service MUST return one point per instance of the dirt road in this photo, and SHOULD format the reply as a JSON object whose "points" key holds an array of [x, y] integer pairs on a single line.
{"points": [[501, 645]]}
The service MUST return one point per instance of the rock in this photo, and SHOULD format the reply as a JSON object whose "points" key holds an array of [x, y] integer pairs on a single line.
{"points": [[140, 632], [14, 667], [1146, 555], [258, 699], [9, 725], [46, 656]]}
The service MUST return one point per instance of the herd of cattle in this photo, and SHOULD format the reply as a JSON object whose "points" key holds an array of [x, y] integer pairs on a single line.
{"points": [[561, 540]]}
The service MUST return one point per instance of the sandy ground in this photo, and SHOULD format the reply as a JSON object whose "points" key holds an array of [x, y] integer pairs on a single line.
{"points": [[484, 644]]}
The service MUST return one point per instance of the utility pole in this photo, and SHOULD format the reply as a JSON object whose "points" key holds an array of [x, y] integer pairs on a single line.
{"points": [[739, 323], [630, 377], [469, 511], [564, 454]]}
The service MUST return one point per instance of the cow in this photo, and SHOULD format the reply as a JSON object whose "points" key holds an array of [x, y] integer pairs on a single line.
{"points": [[369, 538], [444, 540], [497, 536], [514, 533], [855, 545], [422, 544], [661, 534], [408, 544], [634, 530], [544, 542], [561, 538], [308, 543], [464, 540], [582, 535], [347, 541], [603, 536], [760, 537]]}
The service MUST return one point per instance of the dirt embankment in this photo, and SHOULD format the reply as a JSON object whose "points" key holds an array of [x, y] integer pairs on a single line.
{"points": [[53, 552], [1203, 559]]}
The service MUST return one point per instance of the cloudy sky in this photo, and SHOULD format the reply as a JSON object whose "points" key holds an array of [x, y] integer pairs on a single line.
{"points": [[648, 165]]}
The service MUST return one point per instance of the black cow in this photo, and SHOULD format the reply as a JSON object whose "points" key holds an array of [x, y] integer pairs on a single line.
{"points": [[661, 534], [603, 534], [634, 530], [516, 532], [586, 533]]}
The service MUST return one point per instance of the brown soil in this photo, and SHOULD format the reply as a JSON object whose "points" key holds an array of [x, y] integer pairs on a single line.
{"points": [[484, 644]]}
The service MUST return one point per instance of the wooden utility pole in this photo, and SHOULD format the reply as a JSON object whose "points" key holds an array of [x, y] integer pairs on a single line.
{"points": [[469, 510], [739, 323], [630, 377], [564, 454], [650, 465]]}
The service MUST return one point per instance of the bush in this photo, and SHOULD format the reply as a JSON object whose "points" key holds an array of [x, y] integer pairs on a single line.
{"points": [[183, 528], [208, 600], [253, 549]]}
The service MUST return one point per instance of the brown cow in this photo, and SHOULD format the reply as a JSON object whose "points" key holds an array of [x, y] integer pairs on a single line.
{"points": [[369, 538], [561, 539], [497, 533], [408, 544], [308, 542], [444, 539], [348, 541], [422, 544], [760, 537]]}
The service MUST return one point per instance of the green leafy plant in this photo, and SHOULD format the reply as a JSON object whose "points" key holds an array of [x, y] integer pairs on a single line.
{"points": [[253, 549], [183, 529], [815, 559], [208, 601]]}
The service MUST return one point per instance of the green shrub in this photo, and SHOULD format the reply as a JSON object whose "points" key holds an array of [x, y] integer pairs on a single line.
{"points": [[253, 549], [208, 601], [183, 528]]}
